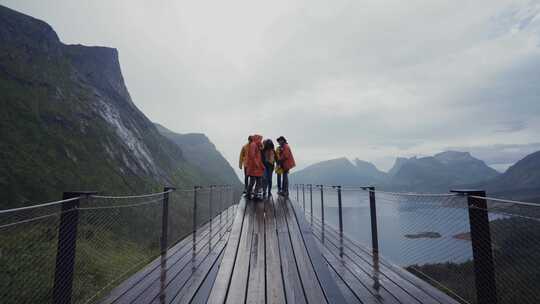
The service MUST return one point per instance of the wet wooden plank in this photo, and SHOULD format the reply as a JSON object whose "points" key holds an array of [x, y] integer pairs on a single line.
{"points": [[294, 292], [221, 284], [173, 253], [202, 294], [420, 289], [256, 291], [310, 282], [179, 258], [275, 291], [240, 276], [329, 287], [348, 294], [355, 275], [173, 279], [364, 292], [197, 277], [415, 287]]}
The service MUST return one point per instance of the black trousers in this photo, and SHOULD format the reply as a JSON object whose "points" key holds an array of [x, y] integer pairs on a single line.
{"points": [[285, 182], [246, 179]]}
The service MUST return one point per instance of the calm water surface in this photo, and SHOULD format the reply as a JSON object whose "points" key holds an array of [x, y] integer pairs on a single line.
{"points": [[398, 217]]}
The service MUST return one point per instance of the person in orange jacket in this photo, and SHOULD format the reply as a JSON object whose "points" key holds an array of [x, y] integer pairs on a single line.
{"points": [[255, 166], [286, 162], [242, 163]]}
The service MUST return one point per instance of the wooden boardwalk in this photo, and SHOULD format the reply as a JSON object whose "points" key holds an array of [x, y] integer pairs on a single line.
{"points": [[270, 253]]}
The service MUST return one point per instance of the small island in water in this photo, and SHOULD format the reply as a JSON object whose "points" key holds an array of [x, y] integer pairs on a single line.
{"points": [[424, 235], [466, 236]]}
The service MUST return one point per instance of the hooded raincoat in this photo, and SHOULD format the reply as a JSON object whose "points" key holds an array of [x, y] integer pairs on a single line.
{"points": [[255, 166], [287, 159]]}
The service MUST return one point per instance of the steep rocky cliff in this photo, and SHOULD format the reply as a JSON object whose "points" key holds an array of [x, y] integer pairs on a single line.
{"points": [[68, 121]]}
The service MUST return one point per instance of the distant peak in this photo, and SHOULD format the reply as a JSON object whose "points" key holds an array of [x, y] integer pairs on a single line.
{"points": [[447, 156]]}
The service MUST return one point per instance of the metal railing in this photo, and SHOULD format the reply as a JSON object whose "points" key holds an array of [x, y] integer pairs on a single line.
{"points": [[475, 248], [79, 248]]}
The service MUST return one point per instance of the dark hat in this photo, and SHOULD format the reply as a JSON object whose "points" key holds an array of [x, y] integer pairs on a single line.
{"points": [[281, 138]]}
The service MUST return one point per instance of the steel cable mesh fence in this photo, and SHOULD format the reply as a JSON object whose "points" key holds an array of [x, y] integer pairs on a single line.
{"points": [[180, 220], [28, 244], [116, 237], [422, 233], [355, 211], [515, 243], [205, 197], [425, 234]]}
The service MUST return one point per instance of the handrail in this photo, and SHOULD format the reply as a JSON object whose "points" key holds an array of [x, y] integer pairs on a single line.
{"points": [[506, 201], [39, 205], [368, 189], [59, 202]]}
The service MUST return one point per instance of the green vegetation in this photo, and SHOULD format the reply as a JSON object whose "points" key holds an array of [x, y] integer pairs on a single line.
{"points": [[68, 123]]}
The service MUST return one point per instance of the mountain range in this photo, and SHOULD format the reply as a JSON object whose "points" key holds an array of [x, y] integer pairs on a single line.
{"points": [[438, 173], [68, 123], [340, 171], [521, 181]]}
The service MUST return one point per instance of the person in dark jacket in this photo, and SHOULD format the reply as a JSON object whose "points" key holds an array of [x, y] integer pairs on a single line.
{"points": [[269, 161]]}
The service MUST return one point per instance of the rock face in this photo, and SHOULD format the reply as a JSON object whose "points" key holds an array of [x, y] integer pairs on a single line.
{"points": [[438, 173], [68, 121], [200, 152], [339, 171], [520, 181]]}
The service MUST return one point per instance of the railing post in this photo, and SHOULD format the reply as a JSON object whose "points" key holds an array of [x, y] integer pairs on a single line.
{"points": [[165, 219], [484, 271], [373, 214], [210, 197], [304, 196], [311, 202], [66, 248], [194, 232], [340, 214], [322, 204], [322, 211], [221, 188]]}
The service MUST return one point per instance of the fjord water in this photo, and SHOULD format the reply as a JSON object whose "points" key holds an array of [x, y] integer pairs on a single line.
{"points": [[398, 217]]}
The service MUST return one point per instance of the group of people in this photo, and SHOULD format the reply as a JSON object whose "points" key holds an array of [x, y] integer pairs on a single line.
{"points": [[259, 159]]}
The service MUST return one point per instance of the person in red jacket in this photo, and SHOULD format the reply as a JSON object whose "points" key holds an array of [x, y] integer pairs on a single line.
{"points": [[255, 166], [286, 162]]}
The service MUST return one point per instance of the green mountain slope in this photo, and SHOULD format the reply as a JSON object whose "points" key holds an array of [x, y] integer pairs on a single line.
{"points": [[521, 181], [68, 122], [200, 152]]}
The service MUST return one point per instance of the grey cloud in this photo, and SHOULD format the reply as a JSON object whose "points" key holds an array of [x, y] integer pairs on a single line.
{"points": [[500, 153], [369, 79]]}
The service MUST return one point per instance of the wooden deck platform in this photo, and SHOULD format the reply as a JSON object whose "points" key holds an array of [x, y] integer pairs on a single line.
{"points": [[270, 253]]}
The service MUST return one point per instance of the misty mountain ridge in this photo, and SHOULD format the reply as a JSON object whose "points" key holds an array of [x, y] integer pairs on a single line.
{"points": [[521, 181], [436, 173], [339, 171], [68, 122]]}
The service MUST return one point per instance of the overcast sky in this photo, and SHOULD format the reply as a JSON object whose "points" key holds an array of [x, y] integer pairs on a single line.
{"points": [[368, 79]]}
